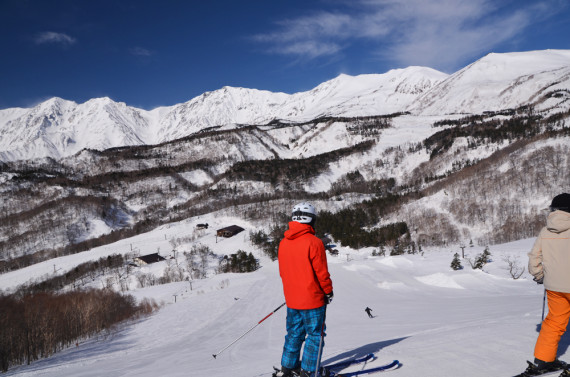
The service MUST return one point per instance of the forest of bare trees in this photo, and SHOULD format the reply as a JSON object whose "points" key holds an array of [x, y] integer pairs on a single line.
{"points": [[496, 194], [38, 325]]}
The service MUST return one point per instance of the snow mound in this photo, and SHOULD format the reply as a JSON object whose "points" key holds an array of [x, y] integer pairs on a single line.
{"points": [[439, 280], [197, 177], [390, 285], [357, 267], [396, 262]]}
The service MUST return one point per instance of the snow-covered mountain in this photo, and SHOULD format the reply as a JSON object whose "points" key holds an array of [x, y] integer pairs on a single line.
{"points": [[58, 128], [325, 143], [501, 81]]}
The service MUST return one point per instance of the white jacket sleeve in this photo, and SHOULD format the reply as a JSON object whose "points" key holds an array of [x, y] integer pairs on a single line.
{"points": [[535, 259]]}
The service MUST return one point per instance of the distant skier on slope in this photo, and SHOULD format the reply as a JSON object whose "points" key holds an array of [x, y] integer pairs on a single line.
{"points": [[369, 312], [308, 289], [549, 263]]}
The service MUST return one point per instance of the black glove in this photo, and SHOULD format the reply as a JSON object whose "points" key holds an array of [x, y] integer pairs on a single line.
{"points": [[539, 281], [328, 298]]}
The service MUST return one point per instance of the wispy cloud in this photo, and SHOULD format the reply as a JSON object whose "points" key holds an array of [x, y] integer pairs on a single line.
{"points": [[436, 33], [139, 51], [50, 37]]}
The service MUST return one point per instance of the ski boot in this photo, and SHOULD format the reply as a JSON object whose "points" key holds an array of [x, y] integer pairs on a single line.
{"points": [[541, 367], [286, 372]]}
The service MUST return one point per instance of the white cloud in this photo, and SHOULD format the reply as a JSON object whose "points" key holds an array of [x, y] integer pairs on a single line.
{"points": [[310, 36], [435, 33], [50, 37], [139, 51], [309, 49]]}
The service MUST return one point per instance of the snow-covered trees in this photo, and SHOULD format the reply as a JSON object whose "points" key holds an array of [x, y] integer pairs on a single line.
{"points": [[481, 260], [238, 262], [197, 260]]}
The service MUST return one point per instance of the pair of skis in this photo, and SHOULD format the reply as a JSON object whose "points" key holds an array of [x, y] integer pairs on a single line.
{"points": [[330, 370]]}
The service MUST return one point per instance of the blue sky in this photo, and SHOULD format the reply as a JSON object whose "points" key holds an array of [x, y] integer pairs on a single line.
{"points": [[160, 53]]}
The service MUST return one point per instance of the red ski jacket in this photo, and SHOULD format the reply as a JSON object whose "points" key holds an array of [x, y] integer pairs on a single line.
{"points": [[303, 268]]}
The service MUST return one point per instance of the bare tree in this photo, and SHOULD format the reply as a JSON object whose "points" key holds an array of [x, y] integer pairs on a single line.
{"points": [[513, 266]]}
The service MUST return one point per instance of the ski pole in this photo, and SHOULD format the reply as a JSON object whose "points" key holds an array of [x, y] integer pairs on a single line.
{"points": [[321, 342], [543, 303], [245, 333]]}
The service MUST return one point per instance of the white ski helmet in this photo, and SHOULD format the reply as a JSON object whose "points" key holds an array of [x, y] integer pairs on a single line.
{"points": [[304, 213]]}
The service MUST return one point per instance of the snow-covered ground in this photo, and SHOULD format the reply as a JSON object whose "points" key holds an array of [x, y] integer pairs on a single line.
{"points": [[436, 321]]}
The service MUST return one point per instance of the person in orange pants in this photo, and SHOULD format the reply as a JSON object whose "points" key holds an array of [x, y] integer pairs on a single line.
{"points": [[553, 326], [549, 263]]}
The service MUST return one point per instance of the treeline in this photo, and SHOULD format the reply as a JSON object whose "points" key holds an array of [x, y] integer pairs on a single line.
{"points": [[520, 111], [103, 182], [349, 224], [354, 182], [345, 226], [353, 226], [39, 325], [372, 119], [368, 127], [288, 171], [481, 131], [496, 130]]}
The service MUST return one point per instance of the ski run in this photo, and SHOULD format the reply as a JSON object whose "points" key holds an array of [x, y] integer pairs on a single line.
{"points": [[437, 322]]}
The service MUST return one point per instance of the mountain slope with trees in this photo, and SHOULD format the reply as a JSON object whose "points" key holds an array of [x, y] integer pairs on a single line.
{"points": [[472, 174]]}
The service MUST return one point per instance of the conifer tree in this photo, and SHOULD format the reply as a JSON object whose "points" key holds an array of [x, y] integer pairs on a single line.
{"points": [[456, 263], [482, 259]]}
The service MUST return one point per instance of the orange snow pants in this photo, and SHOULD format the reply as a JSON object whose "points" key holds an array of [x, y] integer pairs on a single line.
{"points": [[553, 326]]}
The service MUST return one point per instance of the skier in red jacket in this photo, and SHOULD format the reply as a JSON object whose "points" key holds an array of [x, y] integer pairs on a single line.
{"points": [[307, 287]]}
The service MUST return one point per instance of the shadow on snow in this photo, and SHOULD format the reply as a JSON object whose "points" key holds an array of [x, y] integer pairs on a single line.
{"points": [[362, 351]]}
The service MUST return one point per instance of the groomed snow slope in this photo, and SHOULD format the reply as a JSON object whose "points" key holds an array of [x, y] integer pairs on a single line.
{"points": [[436, 321]]}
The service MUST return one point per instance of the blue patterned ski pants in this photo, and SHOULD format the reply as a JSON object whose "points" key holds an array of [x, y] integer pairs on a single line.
{"points": [[303, 326]]}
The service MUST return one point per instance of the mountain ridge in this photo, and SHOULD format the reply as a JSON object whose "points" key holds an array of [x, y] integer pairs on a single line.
{"points": [[483, 84], [58, 128]]}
